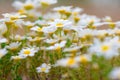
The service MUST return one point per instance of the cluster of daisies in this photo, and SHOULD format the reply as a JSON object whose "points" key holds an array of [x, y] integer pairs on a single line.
{"points": [[64, 37]]}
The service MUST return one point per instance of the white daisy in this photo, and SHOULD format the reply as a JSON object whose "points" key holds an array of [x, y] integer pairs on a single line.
{"points": [[67, 62], [13, 16], [63, 9], [83, 58], [14, 45], [106, 49], [28, 52], [60, 23], [44, 68], [57, 46], [49, 29], [36, 28], [27, 5], [51, 41]]}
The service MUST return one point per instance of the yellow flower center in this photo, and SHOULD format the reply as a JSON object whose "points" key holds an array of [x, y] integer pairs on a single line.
{"points": [[61, 11], [44, 4], [21, 11], [37, 38], [70, 61], [105, 48], [83, 59], [75, 13], [91, 22], [112, 24], [73, 51], [59, 24], [27, 52], [76, 19], [58, 48], [28, 6], [14, 17], [39, 29], [43, 69], [8, 23]]}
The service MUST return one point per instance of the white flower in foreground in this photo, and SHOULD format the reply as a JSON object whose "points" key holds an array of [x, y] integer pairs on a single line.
{"points": [[28, 52], [57, 46], [115, 74], [13, 45], [67, 62], [60, 23], [44, 68], [108, 49], [3, 52]]}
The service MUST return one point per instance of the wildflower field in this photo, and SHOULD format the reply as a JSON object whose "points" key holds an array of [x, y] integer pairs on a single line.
{"points": [[63, 43]]}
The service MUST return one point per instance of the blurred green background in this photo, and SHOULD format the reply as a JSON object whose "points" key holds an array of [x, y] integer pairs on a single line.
{"points": [[99, 8]]}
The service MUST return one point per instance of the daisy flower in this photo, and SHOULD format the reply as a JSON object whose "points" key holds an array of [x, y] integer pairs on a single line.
{"points": [[43, 68], [28, 52], [83, 58], [49, 29], [13, 16], [57, 46], [13, 45], [36, 28], [51, 41], [63, 9], [27, 5], [60, 23], [86, 20], [106, 48], [67, 62]]}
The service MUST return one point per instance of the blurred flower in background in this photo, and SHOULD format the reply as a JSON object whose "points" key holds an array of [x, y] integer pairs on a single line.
{"points": [[99, 8]]}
